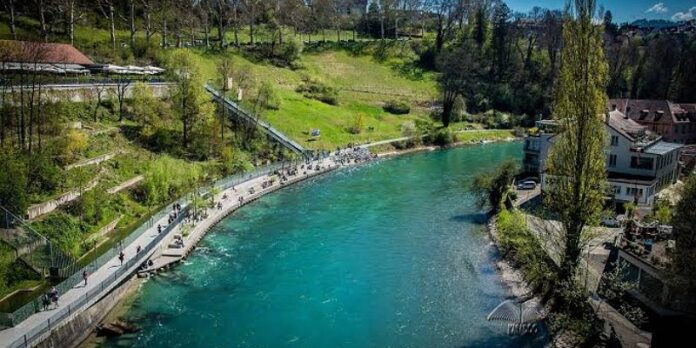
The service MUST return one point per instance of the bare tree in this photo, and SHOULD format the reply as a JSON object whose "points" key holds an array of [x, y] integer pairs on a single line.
{"points": [[107, 9], [122, 83], [10, 8]]}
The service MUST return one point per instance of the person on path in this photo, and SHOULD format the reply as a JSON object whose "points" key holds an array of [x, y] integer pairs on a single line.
{"points": [[121, 257], [45, 301], [54, 296], [159, 228], [137, 250], [84, 276]]}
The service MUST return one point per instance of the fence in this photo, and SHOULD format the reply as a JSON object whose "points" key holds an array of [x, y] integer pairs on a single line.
{"points": [[131, 265], [272, 132], [31, 246], [34, 306]]}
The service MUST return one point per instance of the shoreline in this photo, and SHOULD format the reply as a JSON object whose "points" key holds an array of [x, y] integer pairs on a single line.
{"points": [[510, 277]]}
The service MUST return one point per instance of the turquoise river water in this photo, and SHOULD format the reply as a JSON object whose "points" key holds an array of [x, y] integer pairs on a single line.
{"points": [[389, 254]]}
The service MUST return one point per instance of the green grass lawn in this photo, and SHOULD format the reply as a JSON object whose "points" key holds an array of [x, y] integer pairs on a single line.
{"points": [[364, 86]]}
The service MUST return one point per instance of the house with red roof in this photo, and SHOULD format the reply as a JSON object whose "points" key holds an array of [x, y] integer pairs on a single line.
{"points": [[674, 122]]}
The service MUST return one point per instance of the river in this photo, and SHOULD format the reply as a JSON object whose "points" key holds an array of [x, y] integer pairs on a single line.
{"points": [[389, 254]]}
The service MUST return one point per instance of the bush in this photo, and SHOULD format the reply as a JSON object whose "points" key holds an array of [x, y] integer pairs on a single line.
{"points": [[443, 137], [397, 107], [316, 90], [358, 124]]}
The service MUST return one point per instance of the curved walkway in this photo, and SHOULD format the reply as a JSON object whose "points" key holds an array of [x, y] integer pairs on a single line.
{"points": [[39, 325]]}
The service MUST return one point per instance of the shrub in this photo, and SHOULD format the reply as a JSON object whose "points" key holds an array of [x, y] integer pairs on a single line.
{"points": [[443, 137], [397, 107], [314, 89], [358, 124]]}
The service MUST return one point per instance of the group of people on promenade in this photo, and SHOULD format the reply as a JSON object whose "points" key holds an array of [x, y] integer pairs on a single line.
{"points": [[50, 297]]}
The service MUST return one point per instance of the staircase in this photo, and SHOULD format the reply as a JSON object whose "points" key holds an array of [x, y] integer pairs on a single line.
{"points": [[241, 114]]}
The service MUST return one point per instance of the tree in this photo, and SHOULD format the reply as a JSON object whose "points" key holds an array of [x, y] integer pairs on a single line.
{"points": [[13, 184], [10, 8], [189, 97], [493, 188], [108, 11], [122, 83], [576, 160], [684, 220], [460, 69]]}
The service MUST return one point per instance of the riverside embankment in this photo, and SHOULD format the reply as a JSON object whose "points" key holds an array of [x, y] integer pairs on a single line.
{"points": [[55, 322], [392, 253]]}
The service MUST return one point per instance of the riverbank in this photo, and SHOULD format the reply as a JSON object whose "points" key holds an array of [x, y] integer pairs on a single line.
{"points": [[123, 307], [191, 231], [425, 148], [512, 277]]}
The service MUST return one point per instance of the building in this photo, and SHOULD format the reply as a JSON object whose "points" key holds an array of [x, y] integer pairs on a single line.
{"points": [[58, 59], [674, 122], [639, 163]]}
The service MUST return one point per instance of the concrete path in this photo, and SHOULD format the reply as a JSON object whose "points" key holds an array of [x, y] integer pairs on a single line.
{"points": [[167, 256], [75, 299]]}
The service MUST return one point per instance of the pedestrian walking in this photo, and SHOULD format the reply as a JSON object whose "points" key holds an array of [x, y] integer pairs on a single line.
{"points": [[121, 257], [54, 296], [159, 228], [45, 301], [84, 276], [137, 250]]}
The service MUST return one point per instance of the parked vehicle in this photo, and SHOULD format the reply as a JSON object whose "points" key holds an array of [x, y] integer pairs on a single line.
{"points": [[526, 185]]}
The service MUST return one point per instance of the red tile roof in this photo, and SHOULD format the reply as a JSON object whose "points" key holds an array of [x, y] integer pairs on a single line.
{"points": [[38, 52]]}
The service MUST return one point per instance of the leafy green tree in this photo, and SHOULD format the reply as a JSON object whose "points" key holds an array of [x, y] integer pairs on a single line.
{"points": [[576, 160], [493, 188], [13, 184], [189, 97], [684, 222]]}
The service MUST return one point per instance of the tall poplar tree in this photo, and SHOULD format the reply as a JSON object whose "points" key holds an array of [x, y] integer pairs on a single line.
{"points": [[576, 161]]}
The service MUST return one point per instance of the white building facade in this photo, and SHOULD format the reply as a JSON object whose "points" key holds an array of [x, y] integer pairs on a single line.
{"points": [[639, 164]]}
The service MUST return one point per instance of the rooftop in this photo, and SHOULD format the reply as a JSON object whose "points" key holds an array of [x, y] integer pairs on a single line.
{"points": [[661, 148], [39, 52]]}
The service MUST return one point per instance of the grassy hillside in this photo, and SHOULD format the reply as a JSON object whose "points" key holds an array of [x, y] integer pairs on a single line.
{"points": [[363, 83]]}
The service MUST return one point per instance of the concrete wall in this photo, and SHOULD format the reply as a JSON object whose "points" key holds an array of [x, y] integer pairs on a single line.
{"points": [[83, 92], [78, 328]]}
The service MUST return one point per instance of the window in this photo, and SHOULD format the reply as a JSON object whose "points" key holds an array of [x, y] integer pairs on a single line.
{"points": [[614, 140], [616, 189], [634, 192], [612, 160], [641, 163]]}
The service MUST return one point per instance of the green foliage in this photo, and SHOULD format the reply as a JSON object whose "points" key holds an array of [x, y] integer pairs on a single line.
{"points": [[492, 189], [267, 97], [63, 231], [147, 110], [661, 212], [684, 263], [71, 145], [576, 159], [13, 184], [232, 162], [520, 246], [397, 107], [167, 178], [193, 105], [356, 127], [442, 137], [315, 89]]}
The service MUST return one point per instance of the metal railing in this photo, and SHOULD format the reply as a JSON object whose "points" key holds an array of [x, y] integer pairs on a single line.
{"points": [[128, 267], [264, 126], [34, 306]]}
